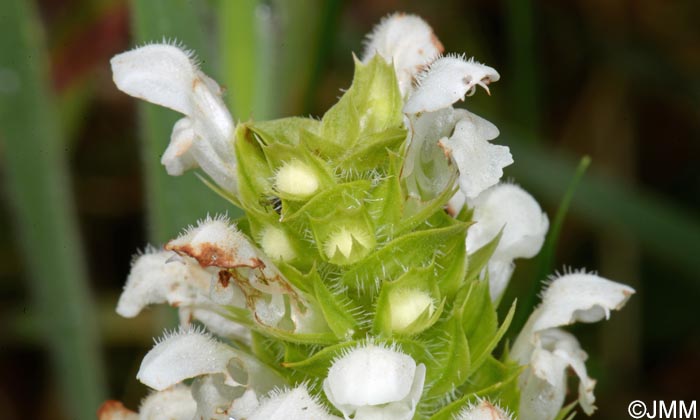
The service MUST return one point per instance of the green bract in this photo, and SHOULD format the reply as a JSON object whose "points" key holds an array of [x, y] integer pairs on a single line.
{"points": [[362, 247]]}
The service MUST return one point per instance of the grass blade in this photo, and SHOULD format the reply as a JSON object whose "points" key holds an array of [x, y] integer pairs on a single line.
{"points": [[37, 180], [670, 233]]}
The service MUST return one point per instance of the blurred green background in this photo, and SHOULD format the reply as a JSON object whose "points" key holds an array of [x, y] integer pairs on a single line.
{"points": [[82, 187]]}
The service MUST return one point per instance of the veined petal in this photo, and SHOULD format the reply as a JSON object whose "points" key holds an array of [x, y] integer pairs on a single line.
{"points": [[579, 297], [508, 207], [446, 81], [484, 410], [294, 404], [480, 163], [408, 41], [171, 404], [375, 382], [162, 276], [183, 355]]}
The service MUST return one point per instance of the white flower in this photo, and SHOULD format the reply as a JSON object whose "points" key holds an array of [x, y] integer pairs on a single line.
{"points": [[372, 381], [294, 404], [215, 242], [166, 277], [175, 403], [408, 42], [484, 410], [168, 76], [507, 207], [159, 277], [186, 354], [549, 351], [543, 385], [480, 163], [446, 81]]}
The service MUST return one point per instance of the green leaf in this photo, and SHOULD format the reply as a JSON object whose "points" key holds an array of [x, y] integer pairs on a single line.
{"points": [[372, 152], [495, 381], [254, 174], [392, 260], [452, 363], [480, 323], [480, 258], [372, 104], [567, 413], [338, 317], [291, 131], [35, 170]]}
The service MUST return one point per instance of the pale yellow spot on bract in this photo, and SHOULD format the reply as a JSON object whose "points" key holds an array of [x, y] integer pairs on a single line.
{"points": [[407, 305], [295, 178], [276, 244], [342, 241]]}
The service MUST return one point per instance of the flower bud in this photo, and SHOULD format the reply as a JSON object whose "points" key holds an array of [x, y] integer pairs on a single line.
{"points": [[347, 245], [296, 179], [276, 244], [407, 305]]}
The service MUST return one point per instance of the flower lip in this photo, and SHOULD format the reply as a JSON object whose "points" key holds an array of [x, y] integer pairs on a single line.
{"points": [[371, 375], [448, 80]]}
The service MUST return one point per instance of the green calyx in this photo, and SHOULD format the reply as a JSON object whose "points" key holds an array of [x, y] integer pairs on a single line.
{"points": [[326, 201]]}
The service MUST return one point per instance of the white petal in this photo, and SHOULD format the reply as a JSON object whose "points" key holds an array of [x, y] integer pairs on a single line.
{"points": [[509, 207], [579, 297], [484, 410], [178, 158], [214, 398], [181, 356], [166, 75], [215, 242], [543, 385], [158, 73], [456, 203], [220, 325], [448, 80], [295, 404], [370, 375], [427, 171], [162, 276], [172, 404], [408, 41], [500, 272], [244, 406], [480, 163]]}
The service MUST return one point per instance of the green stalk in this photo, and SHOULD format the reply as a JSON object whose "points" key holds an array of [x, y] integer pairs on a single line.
{"points": [[37, 180]]}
